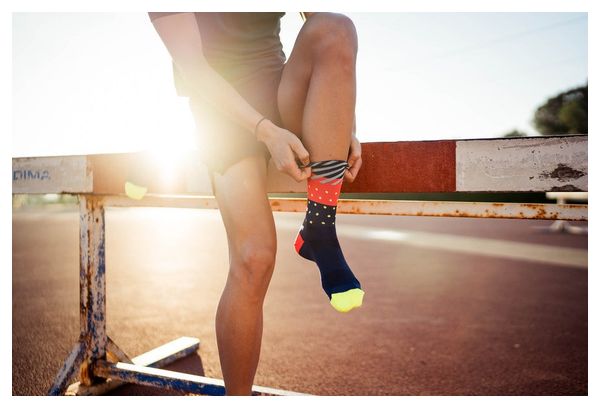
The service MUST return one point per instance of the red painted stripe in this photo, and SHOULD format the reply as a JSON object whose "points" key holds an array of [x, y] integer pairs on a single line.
{"points": [[411, 167]]}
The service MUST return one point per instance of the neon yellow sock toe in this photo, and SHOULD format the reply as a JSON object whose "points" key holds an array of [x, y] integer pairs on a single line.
{"points": [[348, 300], [134, 191]]}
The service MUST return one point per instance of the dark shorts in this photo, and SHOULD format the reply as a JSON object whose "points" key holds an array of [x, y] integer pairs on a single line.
{"points": [[221, 140]]}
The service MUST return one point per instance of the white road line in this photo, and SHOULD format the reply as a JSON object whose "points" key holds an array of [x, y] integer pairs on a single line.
{"points": [[571, 257]]}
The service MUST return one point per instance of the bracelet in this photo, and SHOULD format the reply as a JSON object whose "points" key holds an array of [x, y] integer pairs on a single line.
{"points": [[258, 123]]}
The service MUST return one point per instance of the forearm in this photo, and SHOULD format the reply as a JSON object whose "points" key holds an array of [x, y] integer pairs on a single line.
{"points": [[179, 32]]}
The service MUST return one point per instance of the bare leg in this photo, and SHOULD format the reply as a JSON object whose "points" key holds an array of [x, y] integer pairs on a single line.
{"points": [[317, 93], [252, 247], [316, 100]]}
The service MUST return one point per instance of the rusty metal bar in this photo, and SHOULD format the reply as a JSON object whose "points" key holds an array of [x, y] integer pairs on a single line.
{"points": [[114, 352], [70, 366], [92, 294], [171, 380], [572, 212], [163, 200], [92, 283], [158, 357]]}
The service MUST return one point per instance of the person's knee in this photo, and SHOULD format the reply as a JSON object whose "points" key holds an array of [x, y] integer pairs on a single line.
{"points": [[252, 269], [335, 37]]}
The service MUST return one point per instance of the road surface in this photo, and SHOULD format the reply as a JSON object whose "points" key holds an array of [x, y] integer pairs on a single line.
{"points": [[452, 307]]}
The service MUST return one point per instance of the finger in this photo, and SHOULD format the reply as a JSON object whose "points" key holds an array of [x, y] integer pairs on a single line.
{"points": [[349, 176], [348, 172], [356, 167], [299, 174], [301, 152], [353, 171], [305, 173], [351, 158]]}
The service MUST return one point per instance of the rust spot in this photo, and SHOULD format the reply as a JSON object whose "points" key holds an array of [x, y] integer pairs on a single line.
{"points": [[85, 375], [562, 172], [566, 187], [275, 203]]}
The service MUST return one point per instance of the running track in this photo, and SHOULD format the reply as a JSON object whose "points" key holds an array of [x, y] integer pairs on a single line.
{"points": [[452, 306]]}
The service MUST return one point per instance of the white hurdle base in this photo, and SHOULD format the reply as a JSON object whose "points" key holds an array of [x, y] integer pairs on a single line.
{"points": [[158, 357], [145, 370]]}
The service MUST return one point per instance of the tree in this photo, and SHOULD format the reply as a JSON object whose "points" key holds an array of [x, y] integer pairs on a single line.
{"points": [[515, 133], [563, 113]]}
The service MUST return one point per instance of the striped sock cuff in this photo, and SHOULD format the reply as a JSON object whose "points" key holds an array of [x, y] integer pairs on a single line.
{"points": [[328, 171]]}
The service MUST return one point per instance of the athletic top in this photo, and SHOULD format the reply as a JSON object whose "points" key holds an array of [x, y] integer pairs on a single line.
{"points": [[237, 45]]}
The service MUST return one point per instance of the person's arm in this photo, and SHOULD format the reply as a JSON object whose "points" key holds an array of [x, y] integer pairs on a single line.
{"points": [[181, 36]]}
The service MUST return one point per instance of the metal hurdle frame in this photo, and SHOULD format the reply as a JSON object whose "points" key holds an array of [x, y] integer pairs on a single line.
{"points": [[102, 364], [541, 164]]}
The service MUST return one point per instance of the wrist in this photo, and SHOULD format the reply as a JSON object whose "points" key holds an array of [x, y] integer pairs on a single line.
{"points": [[263, 129]]}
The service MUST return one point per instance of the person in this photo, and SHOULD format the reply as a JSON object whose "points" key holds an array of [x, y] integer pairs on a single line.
{"points": [[251, 106]]}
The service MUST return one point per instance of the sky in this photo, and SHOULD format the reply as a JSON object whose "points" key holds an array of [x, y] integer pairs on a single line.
{"points": [[86, 83]]}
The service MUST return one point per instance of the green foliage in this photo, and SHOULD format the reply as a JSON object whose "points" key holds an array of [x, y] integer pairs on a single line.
{"points": [[565, 113], [515, 133]]}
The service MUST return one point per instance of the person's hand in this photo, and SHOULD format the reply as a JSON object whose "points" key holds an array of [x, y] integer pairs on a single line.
{"points": [[284, 147], [354, 160]]}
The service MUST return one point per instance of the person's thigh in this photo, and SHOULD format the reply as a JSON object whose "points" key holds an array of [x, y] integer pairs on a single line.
{"points": [[318, 35], [241, 193], [293, 87]]}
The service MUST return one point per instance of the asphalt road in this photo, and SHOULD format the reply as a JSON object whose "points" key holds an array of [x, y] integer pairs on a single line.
{"points": [[452, 306]]}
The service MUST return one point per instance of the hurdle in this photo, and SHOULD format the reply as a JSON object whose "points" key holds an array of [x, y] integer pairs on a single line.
{"points": [[562, 226], [530, 164]]}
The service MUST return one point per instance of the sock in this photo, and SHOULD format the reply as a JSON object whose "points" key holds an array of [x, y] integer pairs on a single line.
{"points": [[317, 238]]}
